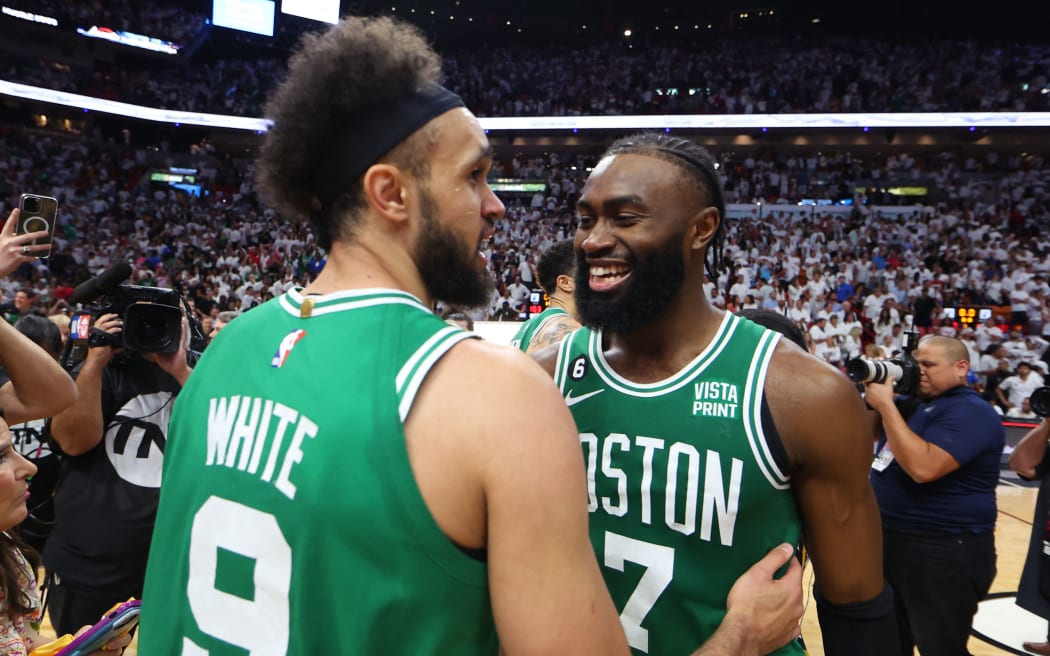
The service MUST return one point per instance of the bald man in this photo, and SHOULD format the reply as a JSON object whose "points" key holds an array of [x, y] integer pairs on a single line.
{"points": [[934, 476]]}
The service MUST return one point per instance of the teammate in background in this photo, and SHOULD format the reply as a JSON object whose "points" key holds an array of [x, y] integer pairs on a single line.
{"points": [[555, 272], [707, 438], [419, 496]]}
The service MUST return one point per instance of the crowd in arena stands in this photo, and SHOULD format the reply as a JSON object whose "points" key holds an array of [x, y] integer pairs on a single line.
{"points": [[742, 76], [147, 17], [610, 76], [854, 281]]}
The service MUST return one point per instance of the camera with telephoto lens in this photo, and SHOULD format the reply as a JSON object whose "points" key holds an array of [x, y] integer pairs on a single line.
{"points": [[904, 369], [152, 319], [1040, 401]]}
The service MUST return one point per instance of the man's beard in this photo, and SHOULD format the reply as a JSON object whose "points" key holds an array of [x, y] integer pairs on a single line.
{"points": [[654, 283], [447, 266]]}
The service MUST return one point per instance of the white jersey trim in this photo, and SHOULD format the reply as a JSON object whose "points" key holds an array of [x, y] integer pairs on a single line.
{"points": [[421, 352], [292, 300], [681, 378], [754, 390], [422, 361]]}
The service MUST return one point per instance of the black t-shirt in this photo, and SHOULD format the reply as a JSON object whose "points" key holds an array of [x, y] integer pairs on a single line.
{"points": [[924, 306], [106, 500]]}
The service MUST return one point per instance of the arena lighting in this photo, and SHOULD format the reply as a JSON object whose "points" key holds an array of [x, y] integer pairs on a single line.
{"points": [[29, 16], [87, 103], [755, 122], [773, 121], [130, 39]]}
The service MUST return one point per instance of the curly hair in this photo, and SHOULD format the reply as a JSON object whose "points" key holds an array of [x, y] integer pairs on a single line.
{"points": [[558, 260], [331, 76], [694, 160]]}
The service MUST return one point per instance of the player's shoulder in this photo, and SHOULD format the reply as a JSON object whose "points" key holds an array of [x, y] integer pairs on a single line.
{"points": [[796, 376], [498, 364], [482, 384]]}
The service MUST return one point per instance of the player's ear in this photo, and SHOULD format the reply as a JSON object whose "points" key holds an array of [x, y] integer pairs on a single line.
{"points": [[566, 283], [703, 228], [386, 189]]}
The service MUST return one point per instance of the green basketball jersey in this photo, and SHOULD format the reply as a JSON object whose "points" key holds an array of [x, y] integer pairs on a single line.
{"points": [[684, 494], [524, 336], [290, 522]]}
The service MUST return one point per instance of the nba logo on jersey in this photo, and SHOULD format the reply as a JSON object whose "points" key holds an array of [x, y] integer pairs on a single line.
{"points": [[287, 344]]}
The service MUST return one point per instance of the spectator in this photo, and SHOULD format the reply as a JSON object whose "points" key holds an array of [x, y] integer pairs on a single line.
{"points": [[32, 440], [221, 321], [1024, 411], [519, 293], [21, 613], [506, 313], [988, 333], [1012, 391]]}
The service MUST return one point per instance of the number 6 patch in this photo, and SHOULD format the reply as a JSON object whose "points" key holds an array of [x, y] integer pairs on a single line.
{"points": [[579, 368]]}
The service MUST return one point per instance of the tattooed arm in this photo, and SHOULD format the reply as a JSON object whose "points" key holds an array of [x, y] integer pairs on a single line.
{"points": [[553, 332]]}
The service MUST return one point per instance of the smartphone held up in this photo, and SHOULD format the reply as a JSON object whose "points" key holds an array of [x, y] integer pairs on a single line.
{"points": [[37, 214]]}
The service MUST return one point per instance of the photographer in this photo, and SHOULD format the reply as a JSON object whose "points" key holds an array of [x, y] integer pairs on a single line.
{"points": [[106, 500], [934, 477]]}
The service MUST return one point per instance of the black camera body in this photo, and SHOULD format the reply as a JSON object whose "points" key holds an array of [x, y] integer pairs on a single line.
{"points": [[152, 319], [1040, 401], [904, 369]]}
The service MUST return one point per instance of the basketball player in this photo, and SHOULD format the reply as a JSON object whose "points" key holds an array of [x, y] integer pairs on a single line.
{"points": [[555, 271], [346, 472], [707, 439]]}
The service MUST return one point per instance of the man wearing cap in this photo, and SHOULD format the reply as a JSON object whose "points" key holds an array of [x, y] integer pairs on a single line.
{"points": [[370, 479]]}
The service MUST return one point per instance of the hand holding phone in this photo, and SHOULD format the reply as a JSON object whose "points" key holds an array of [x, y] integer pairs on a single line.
{"points": [[17, 248], [115, 624], [37, 214]]}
